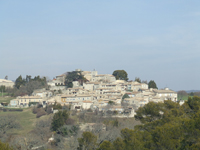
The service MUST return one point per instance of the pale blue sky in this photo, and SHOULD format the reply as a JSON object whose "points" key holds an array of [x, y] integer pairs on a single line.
{"points": [[154, 40]]}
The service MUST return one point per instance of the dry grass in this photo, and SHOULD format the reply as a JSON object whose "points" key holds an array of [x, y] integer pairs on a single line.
{"points": [[6, 99], [26, 119]]}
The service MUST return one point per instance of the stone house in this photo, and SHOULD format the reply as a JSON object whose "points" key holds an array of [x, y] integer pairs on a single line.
{"points": [[24, 100], [7, 83]]}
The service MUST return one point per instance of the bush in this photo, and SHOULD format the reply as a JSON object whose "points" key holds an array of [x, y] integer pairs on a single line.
{"points": [[57, 106], [89, 110], [34, 110], [115, 112], [68, 130], [5, 146], [39, 106], [48, 109], [40, 113], [59, 119], [70, 121], [32, 103], [15, 109], [4, 110]]}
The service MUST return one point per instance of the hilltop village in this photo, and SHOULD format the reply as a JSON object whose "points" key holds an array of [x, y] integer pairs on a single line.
{"points": [[100, 92]]}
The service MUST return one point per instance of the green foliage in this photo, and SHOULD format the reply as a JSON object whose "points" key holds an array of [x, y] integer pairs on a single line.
{"points": [[33, 103], [59, 119], [194, 103], [152, 84], [150, 112], [2, 88], [57, 106], [74, 76], [68, 130], [138, 79], [19, 81], [120, 75], [125, 96], [111, 103], [59, 91], [119, 144], [166, 126], [5, 146], [115, 123], [182, 94], [106, 145], [191, 94], [87, 141], [27, 86]]}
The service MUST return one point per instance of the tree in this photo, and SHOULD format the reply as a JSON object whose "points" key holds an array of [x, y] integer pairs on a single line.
{"points": [[119, 144], [59, 119], [2, 88], [6, 77], [106, 145], [19, 81], [137, 79], [120, 75], [144, 81], [152, 84], [194, 103], [149, 113], [111, 103], [5, 146], [125, 96], [88, 141], [182, 93], [74, 76], [132, 140]]}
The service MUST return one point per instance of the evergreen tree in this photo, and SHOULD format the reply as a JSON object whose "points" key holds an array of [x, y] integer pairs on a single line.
{"points": [[120, 75], [125, 96], [152, 84], [59, 119], [74, 76], [88, 141], [19, 81], [5, 146], [137, 79]]}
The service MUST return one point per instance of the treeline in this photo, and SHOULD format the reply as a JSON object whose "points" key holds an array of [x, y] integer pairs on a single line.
{"points": [[183, 95], [122, 75], [26, 86], [165, 126]]}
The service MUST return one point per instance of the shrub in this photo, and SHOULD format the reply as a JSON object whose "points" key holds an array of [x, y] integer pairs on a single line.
{"points": [[5, 146], [40, 113], [15, 109], [70, 121], [48, 109], [89, 110], [39, 106], [59, 119], [32, 103], [4, 110], [34, 110]]}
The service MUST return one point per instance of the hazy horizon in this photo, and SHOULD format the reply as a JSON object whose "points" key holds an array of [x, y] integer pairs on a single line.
{"points": [[152, 40]]}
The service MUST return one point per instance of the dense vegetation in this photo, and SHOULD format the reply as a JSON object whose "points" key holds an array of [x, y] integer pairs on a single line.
{"points": [[26, 86], [74, 76], [166, 126], [120, 75]]}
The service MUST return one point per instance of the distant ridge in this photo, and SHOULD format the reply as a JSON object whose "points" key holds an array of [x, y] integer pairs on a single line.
{"points": [[189, 91]]}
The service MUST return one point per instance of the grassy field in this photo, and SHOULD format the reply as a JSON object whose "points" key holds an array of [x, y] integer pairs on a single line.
{"points": [[27, 120], [6, 99], [184, 97]]}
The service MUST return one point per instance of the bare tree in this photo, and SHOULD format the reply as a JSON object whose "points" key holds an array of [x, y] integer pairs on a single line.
{"points": [[182, 93]]}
